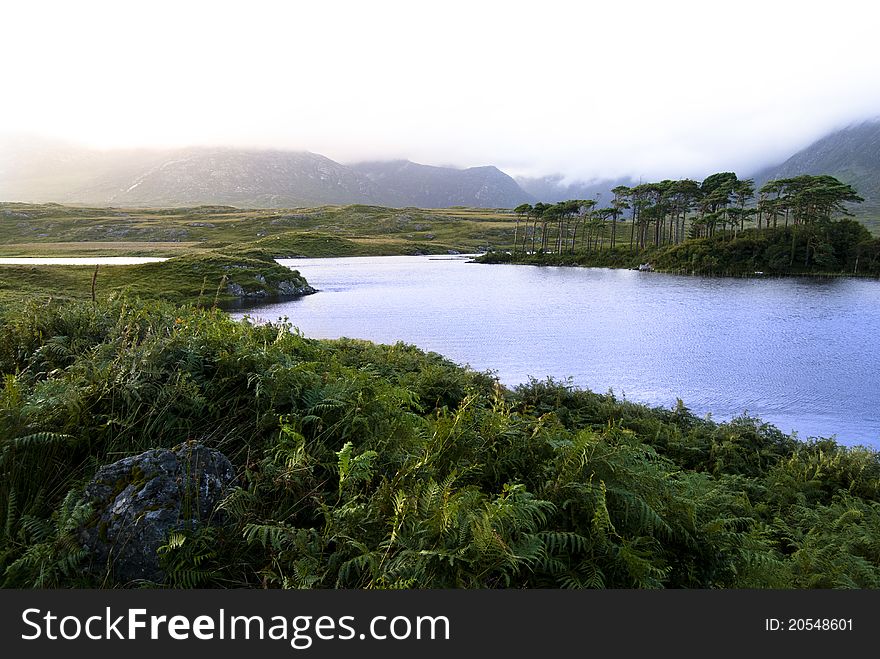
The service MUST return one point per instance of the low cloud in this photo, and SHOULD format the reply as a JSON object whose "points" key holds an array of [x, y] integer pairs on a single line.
{"points": [[640, 89]]}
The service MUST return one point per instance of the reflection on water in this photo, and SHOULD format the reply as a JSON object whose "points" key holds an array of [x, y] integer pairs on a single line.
{"points": [[801, 353]]}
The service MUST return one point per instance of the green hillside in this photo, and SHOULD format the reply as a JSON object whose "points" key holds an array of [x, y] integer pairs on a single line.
{"points": [[852, 155]]}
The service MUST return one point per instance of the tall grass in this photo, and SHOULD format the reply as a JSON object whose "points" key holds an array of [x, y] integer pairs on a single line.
{"points": [[372, 466]]}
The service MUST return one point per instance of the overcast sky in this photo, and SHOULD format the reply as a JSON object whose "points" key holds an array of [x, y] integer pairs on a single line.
{"points": [[588, 89]]}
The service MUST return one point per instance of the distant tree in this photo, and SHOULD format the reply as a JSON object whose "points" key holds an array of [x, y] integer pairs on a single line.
{"points": [[809, 201], [654, 211], [771, 206], [619, 204], [552, 213], [716, 194], [523, 210], [816, 199], [580, 210], [538, 214], [683, 196], [744, 191], [564, 213], [597, 228], [640, 201]]}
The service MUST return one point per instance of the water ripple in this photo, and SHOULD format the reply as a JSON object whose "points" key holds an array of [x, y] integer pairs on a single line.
{"points": [[801, 353]]}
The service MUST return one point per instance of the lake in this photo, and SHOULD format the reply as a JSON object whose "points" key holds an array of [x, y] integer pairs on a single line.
{"points": [[802, 353]]}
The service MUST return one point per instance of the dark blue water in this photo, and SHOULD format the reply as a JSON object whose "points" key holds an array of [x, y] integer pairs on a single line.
{"points": [[800, 353]]}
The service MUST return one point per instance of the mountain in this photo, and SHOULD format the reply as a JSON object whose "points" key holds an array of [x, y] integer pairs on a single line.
{"points": [[39, 170], [258, 179], [851, 154], [43, 171], [551, 189], [406, 183]]}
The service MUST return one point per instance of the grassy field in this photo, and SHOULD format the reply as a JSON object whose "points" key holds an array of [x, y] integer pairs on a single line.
{"points": [[207, 236], [98, 248], [208, 243], [357, 230], [54, 230]]}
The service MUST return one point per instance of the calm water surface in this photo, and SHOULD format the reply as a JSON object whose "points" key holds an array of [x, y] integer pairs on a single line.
{"points": [[800, 353]]}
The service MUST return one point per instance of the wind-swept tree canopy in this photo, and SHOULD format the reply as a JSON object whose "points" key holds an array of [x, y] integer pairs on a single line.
{"points": [[811, 199], [802, 222]]}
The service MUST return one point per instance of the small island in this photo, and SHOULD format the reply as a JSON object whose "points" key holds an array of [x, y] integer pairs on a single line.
{"points": [[797, 226]]}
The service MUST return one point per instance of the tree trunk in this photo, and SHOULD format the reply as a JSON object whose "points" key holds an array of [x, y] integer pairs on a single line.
{"points": [[515, 235], [632, 233]]}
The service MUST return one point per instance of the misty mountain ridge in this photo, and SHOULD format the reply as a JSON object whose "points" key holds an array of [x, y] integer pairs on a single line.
{"points": [[551, 189], [851, 154], [42, 170], [239, 177], [233, 177], [442, 187]]}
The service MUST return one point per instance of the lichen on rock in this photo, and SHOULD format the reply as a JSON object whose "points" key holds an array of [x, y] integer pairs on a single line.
{"points": [[264, 288], [139, 500]]}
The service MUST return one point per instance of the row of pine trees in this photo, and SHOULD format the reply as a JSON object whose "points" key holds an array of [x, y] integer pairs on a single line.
{"points": [[670, 211]]}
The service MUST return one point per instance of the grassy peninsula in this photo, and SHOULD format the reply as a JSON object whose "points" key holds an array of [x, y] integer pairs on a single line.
{"points": [[204, 278], [218, 253], [843, 247], [796, 226]]}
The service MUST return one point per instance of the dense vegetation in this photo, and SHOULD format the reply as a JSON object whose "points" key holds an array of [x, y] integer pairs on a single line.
{"points": [[701, 228], [382, 467], [669, 212], [841, 247]]}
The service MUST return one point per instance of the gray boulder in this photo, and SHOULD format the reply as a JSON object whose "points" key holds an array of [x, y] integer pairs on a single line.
{"points": [[138, 500], [294, 288], [238, 290]]}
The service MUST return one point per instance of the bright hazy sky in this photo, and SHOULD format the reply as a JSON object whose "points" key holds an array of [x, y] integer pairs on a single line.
{"points": [[657, 89]]}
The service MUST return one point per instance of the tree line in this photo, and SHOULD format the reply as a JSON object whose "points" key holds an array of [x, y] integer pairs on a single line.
{"points": [[670, 211]]}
